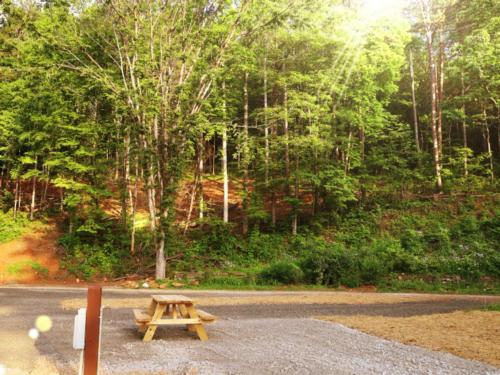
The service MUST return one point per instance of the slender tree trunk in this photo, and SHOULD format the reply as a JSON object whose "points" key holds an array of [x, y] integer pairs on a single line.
{"points": [[17, 198], [414, 102], [61, 197], [192, 198], [45, 189], [433, 88], [33, 199], [464, 128], [488, 144], [296, 196], [347, 153], [134, 208], [201, 205], [245, 156], [266, 124], [440, 94], [225, 214], [287, 152], [273, 209], [213, 157]]}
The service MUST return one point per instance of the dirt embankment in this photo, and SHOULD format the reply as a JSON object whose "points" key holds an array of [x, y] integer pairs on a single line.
{"points": [[30, 258]]}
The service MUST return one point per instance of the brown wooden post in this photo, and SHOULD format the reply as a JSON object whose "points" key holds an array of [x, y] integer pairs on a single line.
{"points": [[92, 328]]}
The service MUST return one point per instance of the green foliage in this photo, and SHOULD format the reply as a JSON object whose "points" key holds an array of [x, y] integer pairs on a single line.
{"points": [[214, 238], [331, 266], [265, 247], [11, 229], [98, 248], [491, 307], [17, 268], [281, 273]]}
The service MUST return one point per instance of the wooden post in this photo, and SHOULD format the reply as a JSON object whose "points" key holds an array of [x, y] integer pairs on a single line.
{"points": [[92, 328]]}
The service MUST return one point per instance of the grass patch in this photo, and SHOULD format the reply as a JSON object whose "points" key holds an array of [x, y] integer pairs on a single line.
{"points": [[18, 268], [11, 229], [491, 307], [458, 287]]}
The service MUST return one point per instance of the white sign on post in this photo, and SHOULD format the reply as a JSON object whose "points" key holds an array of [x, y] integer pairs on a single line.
{"points": [[79, 329]]}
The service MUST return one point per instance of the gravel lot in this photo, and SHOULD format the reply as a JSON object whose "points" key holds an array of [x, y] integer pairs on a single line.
{"points": [[248, 339]]}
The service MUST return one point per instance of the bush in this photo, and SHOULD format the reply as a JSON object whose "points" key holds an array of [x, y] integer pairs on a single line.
{"points": [[265, 247], [282, 273], [331, 266], [214, 238]]}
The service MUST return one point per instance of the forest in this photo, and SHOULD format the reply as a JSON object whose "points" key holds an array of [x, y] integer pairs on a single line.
{"points": [[256, 142]]}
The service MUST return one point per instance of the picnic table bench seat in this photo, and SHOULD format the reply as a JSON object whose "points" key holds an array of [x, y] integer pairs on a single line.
{"points": [[142, 316]]}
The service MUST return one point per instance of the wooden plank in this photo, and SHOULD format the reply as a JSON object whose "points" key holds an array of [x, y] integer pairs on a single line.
{"points": [[148, 336], [141, 316], [170, 322], [171, 298], [205, 316], [152, 307], [183, 311], [200, 330]]}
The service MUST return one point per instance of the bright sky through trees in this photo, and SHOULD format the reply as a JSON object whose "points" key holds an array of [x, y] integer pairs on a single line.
{"points": [[373, 10]]}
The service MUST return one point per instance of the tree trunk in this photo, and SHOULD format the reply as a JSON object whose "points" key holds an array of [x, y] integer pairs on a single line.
{"points": [[45, 189], [225, 214], [17, 198], [433, 81], [464, 128], [161, 264], [266, 124], [201, 204], [33, 199], [273, 209], [296, 196], [134, 208], [414, 102], [440, 94], [245, 156], [488, 144], [287, 152]]}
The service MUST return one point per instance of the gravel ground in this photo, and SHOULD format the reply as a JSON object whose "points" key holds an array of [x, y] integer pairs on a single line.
{"points": [[282, 346], [248, 339]]}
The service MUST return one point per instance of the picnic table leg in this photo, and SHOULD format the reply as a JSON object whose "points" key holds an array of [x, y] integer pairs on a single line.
{"points": [[199, 328], [185, 314], [148, 336]]}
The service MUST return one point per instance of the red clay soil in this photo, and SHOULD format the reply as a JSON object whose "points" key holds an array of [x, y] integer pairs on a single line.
{"points": [[30, 258]]}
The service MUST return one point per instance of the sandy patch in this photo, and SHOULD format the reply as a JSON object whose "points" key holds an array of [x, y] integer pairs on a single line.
{"points": [[299, 298], [5, 311], [469, 334]]}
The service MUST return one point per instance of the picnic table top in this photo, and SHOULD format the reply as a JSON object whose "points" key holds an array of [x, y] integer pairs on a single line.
{"points": [[171, 298]]}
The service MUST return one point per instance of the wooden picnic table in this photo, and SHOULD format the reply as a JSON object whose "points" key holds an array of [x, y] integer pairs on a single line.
{"points": [[172, 309]]}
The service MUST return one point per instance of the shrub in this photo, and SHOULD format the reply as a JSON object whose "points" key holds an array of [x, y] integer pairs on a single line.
{"points": [[330, 266], [265, 247], [282, 273], [214, 238], [412, 242]]}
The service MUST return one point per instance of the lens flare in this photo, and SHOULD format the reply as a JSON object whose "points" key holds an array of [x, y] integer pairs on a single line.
{"points": [[33, 333], [43, 323]]}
